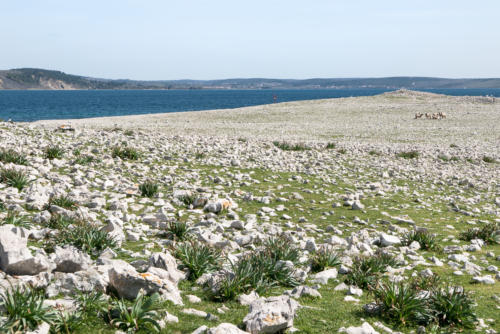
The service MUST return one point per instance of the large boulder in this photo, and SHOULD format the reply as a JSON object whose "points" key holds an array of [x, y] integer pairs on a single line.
{"points": [[15, 257], [128, 282], [168, 263], [70, 283], [225, 328], [389, 240], [69, 259], [271, 315]]}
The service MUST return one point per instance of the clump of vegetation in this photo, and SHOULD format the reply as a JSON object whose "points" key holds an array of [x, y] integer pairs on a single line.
{"points": [[60, 222], [24, 309], [401, 304], [242, 140], [11, 156], [374, 152], [141, 315], [330, 146], [342, 151], [489, 233], [489, 160], [177, 230], [85, 237], [84, 159], [198, 258], [453, 145], [128, 133], [259, 270], [14, 178], [426, 239], [290, 147], [365, 271], [149, 189], [64, 201], [125, 153], [404, 305], [408, 154], [53, 152], [199, 155], [425, 283], [15, 219], [187, 199], [452, 306], [324, 258]]}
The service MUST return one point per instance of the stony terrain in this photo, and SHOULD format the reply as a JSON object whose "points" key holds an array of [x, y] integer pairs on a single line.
{"points": [[343, 215]]}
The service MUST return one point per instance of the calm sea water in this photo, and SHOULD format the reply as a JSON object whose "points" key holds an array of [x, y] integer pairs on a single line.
{"points": [[27, 106]]}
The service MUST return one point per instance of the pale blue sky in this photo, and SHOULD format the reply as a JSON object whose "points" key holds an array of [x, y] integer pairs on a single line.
{"points": [[154, 39]]}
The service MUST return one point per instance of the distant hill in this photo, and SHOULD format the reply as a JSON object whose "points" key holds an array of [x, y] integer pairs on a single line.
{"points": [[33, 78]]}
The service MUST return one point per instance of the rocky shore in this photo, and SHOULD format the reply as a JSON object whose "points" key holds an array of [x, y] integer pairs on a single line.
{"points": [[344, 215]]}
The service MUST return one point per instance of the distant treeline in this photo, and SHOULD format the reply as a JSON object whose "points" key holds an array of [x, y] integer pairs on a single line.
{"points": [[32, 78]]}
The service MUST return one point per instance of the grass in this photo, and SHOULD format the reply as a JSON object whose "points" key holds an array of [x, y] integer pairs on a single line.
{"points": [[408, 154], [125, 153], [426, 240], [12, 156], [365, 271], [24, 309], [453, 307], [149, 189], [187, 199], [324, 258], [489, 160], [53, 152], [64, 201], [489, 233], [330, 146], [16, 219], [284, 146], [14, 178], [142, 315], [198, 258], [84, 159], [177, 231]]}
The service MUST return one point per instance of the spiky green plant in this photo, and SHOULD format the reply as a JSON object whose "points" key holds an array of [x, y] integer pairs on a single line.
{"points": [[452, 306], [149, 188], [53, 152], [84, 159], [284, 146], [87, 238], [489, 233], [426, 240], [401, 304], [142, 315], [198, 258], [16, 219], [365, 271], [187, 199], [330, 146], [12, 156], [125, 153], [323, 258], [408, 154], [24, 309], [177, 230], [489, 160], [64, 201], [14, 178]]}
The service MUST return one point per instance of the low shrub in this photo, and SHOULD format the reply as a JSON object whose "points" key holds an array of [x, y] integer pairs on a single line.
{"points": [[142, 315], [342, 151], [187, 199], [373, 152], [290, 147], [125, 153], [84, 159], [489, 233], [14, 178], [86, 238], [324, 258], [24, 309], [59, 222], [149, 189], [128, 133], [426, 240], [53, 152], [280, 249], [198, 258], [330, 146], [408, 154], [11, 156]]}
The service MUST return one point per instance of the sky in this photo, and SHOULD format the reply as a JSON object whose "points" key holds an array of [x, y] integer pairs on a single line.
{"points": [[216, 39]]}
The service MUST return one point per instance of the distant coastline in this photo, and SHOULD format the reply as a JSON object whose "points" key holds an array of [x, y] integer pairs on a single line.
{"points": [[40, 79]]}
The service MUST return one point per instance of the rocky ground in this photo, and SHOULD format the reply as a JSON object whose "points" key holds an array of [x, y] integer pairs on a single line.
{"points": [[342, 215]]}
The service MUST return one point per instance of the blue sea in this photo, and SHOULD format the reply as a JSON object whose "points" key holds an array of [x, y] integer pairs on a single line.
{"points": [[28, 106]]}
